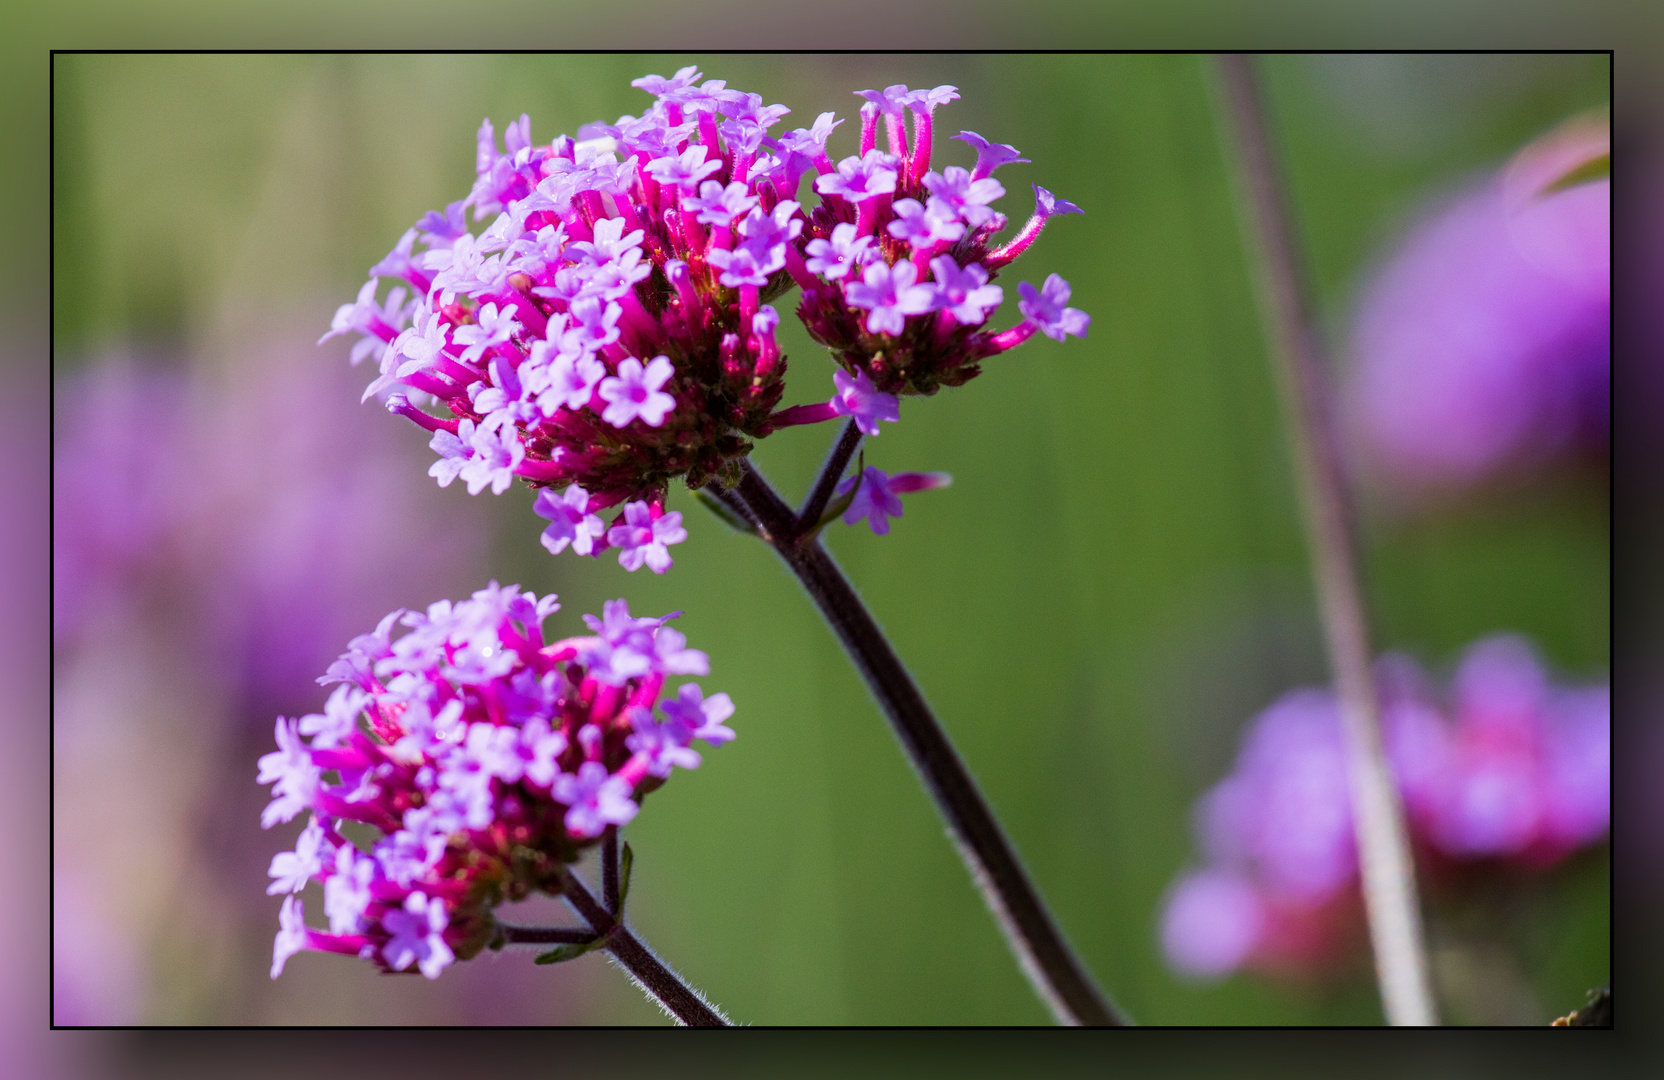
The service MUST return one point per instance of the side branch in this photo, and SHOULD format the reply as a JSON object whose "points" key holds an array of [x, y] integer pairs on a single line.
{"points": [[830, 473], [655, 978], [778, 521], [543, 935]]}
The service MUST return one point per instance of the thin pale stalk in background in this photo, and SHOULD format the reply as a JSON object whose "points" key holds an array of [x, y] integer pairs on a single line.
{"points": [[1383, 842]]}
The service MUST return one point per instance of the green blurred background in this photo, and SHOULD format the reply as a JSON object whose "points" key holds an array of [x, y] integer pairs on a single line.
{"points": [[1115, 583]]}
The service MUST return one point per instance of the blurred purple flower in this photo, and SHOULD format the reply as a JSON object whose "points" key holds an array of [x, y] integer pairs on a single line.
{"points": [[1483, 344], [1284, 815], [1211, 923], [1523, 772], [98, 969], [120, 483], [258, 504], [1512, 768]]}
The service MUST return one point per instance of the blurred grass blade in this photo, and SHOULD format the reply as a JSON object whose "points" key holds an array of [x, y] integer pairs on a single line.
{"points": [[1596, 168]]}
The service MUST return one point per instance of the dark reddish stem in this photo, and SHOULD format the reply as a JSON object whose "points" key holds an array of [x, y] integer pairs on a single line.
{"points": [[653, 975], [830, 473], [544, 935], [609, 870], [1059, 978]]}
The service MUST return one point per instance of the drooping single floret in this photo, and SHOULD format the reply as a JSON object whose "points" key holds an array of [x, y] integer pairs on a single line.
{"points": [[486, 757], [878, 498], [570, 520], [417, 930]]}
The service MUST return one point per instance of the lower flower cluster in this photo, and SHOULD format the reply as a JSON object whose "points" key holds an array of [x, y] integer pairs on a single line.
{"points": [[487, 759], [1513, 770]]}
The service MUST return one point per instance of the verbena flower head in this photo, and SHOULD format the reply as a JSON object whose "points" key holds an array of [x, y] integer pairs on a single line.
{"points": [[611, 328], [1509, 768], [486, 757], [611, 320], [903, 256]]}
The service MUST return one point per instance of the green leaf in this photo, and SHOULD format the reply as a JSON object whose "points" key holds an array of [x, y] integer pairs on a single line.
{"points": [[625, 861], [1596, 168], [715, 506]]}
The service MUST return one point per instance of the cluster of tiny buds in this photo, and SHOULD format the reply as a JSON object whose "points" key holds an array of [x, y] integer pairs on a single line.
{"points": [[610, 329], [487, 759]]}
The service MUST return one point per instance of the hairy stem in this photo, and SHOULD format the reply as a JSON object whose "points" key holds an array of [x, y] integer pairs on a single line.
{"points": [[609, 869], [655, 978], [1383, 843], [830, 473], [1057, 975], [734, 504], [544, 935], [778, 523]]}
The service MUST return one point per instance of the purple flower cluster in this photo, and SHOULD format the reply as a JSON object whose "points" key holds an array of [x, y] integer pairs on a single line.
{"points": [[1483, 344], [1512, 769], [903, 256], [611, 328], [487, 758]]}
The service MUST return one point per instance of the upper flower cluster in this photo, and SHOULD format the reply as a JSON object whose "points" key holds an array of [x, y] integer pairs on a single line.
{"points": [[612, 328], [486, 757], [1512, 769]]}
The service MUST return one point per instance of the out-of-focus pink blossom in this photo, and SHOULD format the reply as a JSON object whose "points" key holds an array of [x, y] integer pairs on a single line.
{"points": [[1521, 769], [1509, 767], [259, 505], [1211, 923], [1481, 346]]}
